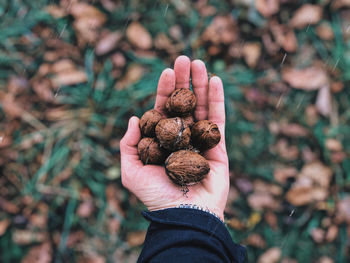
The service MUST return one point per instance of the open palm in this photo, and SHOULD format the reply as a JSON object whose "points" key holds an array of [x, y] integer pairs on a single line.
{"points": [[150, 182]]}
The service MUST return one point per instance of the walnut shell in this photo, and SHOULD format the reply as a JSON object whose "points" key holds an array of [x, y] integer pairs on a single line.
{"points": [[186, 167], [149, 121], [205, 134], [150, 151], [188, 121], [172, 134], [181, 102]]}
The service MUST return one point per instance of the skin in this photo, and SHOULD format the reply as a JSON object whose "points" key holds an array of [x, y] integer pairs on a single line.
{"points": [[150, 183]]}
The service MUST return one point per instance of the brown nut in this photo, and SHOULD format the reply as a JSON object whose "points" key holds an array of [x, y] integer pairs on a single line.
{"points": [[172, 134], [186, 167], [181, 102], [149, 121], [150, 151], [205, 135], [188, 121]]}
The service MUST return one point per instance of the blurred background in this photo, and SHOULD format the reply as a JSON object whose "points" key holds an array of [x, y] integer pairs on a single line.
{"points": [[72, 72]]}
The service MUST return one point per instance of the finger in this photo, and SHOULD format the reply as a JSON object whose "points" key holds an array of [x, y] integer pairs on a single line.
{"points": [[216, 114], [166, 86], [182, 68], [200, 87], [130, 160]]}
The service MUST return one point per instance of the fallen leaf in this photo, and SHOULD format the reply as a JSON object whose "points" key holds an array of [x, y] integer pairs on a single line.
{"points": [[255, 240], [118, 60], [337, 87], [139, 36], [306, 15], [333, 145], [311, 115], [251, 53], [343, 211], [235, 223], [86, 208], [282, 174], [324, 101], [132, 75], [26, 237], [222, 30], [10, 106], [43, 89], [317, 235], [107, 43], [69, 78], [325, 259], [336, 4], [293, 130], [56, 11], [304, 195], [88, 20], [260, 201], [272, 255], [267, 7], [63, 65], [284, 36], [136, 238], [8, 206], [308, 79], [325, 31], [332, 233], [4, 225], [320, 174], [39, 254]]}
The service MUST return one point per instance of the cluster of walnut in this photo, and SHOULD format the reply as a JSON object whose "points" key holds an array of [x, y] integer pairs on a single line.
{"points": [[176, 140]]}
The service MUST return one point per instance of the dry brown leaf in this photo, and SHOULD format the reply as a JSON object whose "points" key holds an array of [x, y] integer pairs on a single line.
{"points": [[282, 174], [293, 130], [306, 15], [88, 19], [260, 201], [267, 7], [324, 101], [222, 30], [308, 79], [325, 31], [69, 78], [107, 43], [332, 233], [251, 53], [138, 35], [43, 89], [8, 207], [336, 4], [56, 11], [17, 85], [337, 87], [5, 140], [318, 173], [86, 208], [4, 225], [164, 43], [136, 238], [132, 75], [286, 151], [263, 187], [311, 115], [284, 36], [272, 255], [26, 237], [343, 210], [63, 65], [255, 240], [235, 223], [317, 235], [325, 259], [303, 195], [333, 145], [10, 106], [39, 254]]}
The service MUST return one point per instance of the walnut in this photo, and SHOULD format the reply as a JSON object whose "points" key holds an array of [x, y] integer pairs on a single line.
{"points": [[188, 121], [181, 102], [186, 167], [149, 121], [172, 134], [205, 134], [150, 151]]}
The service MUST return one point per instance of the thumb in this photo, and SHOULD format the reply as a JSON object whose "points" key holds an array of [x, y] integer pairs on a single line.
{"points": [[128, 144]]}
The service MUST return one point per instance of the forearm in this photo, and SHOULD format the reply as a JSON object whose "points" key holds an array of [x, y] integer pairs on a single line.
{"points": [[188, 235]]}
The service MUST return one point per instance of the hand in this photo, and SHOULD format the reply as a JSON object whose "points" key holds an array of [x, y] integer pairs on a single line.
{"points": [[149, 182]]}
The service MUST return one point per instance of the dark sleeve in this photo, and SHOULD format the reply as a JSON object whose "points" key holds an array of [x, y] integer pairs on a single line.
{"points": [[188, 235]]}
